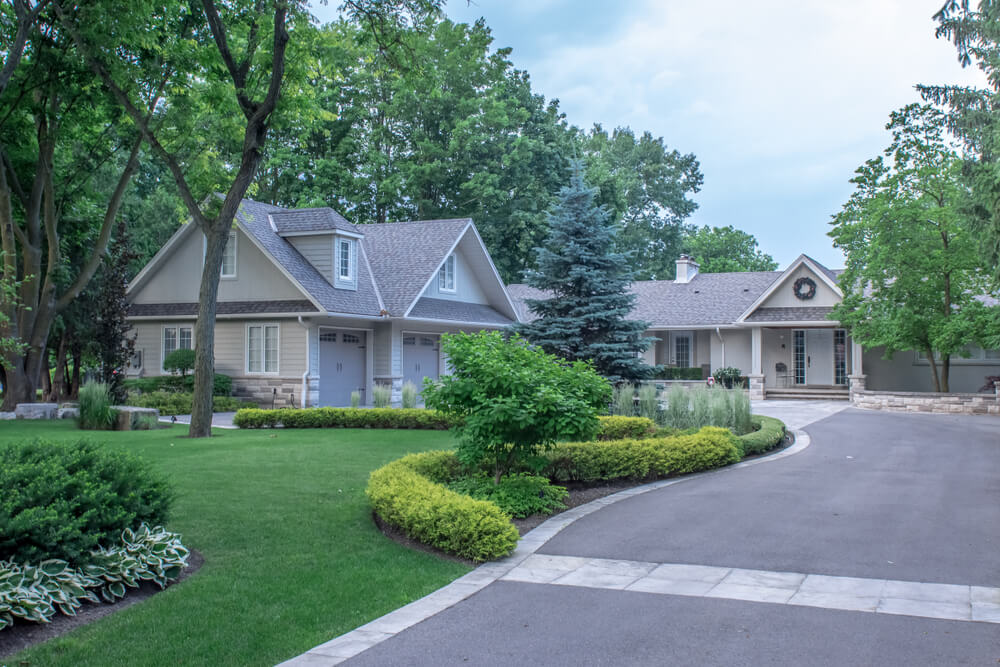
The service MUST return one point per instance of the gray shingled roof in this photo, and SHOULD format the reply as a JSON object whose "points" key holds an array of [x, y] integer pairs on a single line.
{"points": [[797, 314], [223, 308], [404, 256], [708, 299], [310, 220], [362, 301], [458, 311]]}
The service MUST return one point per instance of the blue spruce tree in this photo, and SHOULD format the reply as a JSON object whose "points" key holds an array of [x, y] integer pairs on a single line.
{"points": [[585, 316]]}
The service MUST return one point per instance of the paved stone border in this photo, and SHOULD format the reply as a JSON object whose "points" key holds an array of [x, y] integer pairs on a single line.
{"points": [[375, 632], [880, 596]]}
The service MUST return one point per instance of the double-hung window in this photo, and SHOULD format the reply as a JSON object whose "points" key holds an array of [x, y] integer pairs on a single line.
{"points": [[446, 276], [262, 348], [345, 263], [176, 338], [229, 257]]}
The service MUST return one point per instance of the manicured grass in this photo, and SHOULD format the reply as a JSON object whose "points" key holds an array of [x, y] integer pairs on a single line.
{"points": [[292, 557]]}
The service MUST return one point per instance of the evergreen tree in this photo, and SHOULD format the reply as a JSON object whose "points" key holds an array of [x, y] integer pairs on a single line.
{"points": [[585, 317], [114, 345]]}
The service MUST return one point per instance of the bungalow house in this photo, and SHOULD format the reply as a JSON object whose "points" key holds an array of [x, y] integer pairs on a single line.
{"points": [[774, 327], [312, 308]]}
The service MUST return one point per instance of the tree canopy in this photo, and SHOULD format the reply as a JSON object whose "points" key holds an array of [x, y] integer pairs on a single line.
{"points": [[912, 281]]}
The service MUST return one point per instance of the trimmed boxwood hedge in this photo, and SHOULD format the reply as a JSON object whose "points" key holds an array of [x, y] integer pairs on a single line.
{"points": [[710, 447], [341, 418], [768, 434], [407, 493]]}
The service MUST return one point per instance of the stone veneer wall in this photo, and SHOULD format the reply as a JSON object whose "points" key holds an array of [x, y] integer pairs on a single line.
{"points": [[261, 389], [910, 401]]}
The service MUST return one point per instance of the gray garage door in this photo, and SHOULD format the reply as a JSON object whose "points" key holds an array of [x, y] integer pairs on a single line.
{"points": [[420, 357], [341, 366]]}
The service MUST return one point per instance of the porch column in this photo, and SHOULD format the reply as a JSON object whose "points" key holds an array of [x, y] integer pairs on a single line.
{"points": [[756, 376], [856, 380]]}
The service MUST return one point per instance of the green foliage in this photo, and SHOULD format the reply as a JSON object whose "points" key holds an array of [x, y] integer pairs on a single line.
{"points": [[96, 412], [36, 592], [621, 428], [649, 403], [586, 314], [673, 373], [430, 513], [355, 399], [726, 250], [519, 494], [913, 280], [702, 406], [509, 400], [342, 418], [65, 500], [222, 385], [623, 400], [179, 403], [728, 377], [179, 361], [409, 395], [767, 434], [605, 460], [645, 188], [381, 396]]}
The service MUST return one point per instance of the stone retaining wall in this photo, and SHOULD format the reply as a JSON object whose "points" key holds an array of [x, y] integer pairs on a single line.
{"points": [[260, 390], [910, 401]]}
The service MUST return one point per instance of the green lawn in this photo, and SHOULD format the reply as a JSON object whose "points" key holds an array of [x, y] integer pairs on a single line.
{"points": [[292, 556]]}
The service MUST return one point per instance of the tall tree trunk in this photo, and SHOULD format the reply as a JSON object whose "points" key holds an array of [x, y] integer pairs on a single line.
{"points": [[934, 371]]}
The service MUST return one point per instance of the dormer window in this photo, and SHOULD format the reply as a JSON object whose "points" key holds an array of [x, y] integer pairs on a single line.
{"points": [[345, 260], [229, 257], [446, 276]]}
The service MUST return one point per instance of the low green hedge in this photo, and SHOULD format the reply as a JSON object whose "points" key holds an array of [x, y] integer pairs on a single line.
{"points": [[407, 494], [222, 385], [342, 418], [179, 403], [673, 373], [768, 434], [623, 428], [711, 447]]}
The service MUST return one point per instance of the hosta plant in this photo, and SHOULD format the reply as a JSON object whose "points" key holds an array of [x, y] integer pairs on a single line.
{"points": [[36, 592]]}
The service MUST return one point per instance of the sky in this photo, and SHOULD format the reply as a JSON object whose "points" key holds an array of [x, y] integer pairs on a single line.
{"points": [[779, 101]]}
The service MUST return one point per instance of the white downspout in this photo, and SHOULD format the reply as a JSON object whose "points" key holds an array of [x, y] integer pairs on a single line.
{"points": [[305, 376], [718, 332]]}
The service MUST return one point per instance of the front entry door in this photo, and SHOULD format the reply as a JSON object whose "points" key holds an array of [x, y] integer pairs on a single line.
{"points": [[420, 358], [819, 356], [341, 366]]}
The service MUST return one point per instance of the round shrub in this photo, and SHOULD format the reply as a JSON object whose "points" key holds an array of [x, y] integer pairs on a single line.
{"points": [[64, 500]]}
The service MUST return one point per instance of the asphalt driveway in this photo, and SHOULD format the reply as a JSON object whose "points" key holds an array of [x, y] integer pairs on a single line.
{"points": [[853, 551]]}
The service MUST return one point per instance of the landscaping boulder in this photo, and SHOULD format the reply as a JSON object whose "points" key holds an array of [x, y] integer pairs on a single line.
{"points": [[131, 418], [37, 410]]}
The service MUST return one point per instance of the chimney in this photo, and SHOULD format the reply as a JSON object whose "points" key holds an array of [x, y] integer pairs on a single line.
{"points": [[687, 269]]}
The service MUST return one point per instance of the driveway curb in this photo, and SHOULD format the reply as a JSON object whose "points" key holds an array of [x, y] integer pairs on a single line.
{"points": [[352, 643]]}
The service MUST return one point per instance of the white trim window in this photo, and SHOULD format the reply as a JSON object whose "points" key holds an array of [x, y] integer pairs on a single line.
{"points": [[262, 348], [345, 263], [229, 257], [446, 276], [175, 338]]}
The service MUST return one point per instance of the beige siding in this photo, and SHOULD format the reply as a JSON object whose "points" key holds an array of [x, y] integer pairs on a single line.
{"points": [[784, 296], [230, 347], [318, 251], [179, 277]]}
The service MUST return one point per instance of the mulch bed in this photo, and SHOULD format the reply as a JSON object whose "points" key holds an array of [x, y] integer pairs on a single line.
{"points": [[23, 634]]}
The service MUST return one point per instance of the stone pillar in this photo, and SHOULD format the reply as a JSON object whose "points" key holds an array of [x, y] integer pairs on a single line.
{"points": [[756, 387], [856, 384]]}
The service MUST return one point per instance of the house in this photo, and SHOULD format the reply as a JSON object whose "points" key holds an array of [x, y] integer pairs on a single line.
{"points": [[774, 327], [312, 307]]}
